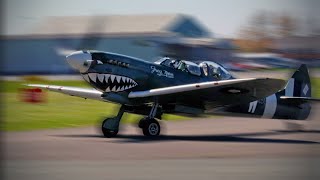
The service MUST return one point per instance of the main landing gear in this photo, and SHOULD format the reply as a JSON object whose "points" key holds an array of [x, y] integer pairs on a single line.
{"points": [[149, 125], [110, 126]]}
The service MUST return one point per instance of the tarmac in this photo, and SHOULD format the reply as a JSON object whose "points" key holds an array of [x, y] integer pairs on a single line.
{"points": [[207, 148]]}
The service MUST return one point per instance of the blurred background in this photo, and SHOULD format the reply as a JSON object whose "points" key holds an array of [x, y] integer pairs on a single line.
{"points": [[263, 38], [260, 38], [243, 35]]}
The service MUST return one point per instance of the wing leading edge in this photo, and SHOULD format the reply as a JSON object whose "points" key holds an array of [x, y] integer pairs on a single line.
{"points": [[215, 93], [72, 91], [276, 84], [218, 92]]}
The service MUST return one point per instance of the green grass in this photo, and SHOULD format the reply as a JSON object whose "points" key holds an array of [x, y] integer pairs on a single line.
{"points": [[315, 83], [59, 111], [14, 86]]}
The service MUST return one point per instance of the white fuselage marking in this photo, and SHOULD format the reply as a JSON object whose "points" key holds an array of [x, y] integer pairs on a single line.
{"points": [[252, 106], [289, 88], [305, 89], [270, 107]]}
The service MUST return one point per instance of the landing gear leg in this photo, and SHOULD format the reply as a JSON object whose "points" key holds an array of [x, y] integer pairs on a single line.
{"points": [[110, 126], [150, 126]]}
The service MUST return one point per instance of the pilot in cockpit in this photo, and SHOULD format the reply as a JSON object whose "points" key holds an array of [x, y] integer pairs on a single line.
{"points": [[179, 64], [205, 68], [216, 72], [210, 69], [175, 63]]}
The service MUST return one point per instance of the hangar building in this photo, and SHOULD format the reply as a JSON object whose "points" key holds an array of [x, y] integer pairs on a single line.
{"points": [[43, 50]]}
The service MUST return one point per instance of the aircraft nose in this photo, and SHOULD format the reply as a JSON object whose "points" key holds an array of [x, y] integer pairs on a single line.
{"points": [[77, 60]]}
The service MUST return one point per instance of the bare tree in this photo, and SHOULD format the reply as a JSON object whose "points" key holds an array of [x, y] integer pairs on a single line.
{"points": [[257, 27], [255, 36], [285, 25], [264, 26]]}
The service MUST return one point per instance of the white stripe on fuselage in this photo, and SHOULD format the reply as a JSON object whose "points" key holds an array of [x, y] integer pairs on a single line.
{"points": [[270, 106], [289, 88]]}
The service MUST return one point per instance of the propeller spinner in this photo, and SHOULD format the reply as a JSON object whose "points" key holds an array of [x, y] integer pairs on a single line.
{"points": [[80, 60]]}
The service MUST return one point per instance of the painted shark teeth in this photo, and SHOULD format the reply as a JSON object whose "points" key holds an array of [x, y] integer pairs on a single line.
{"points": [[101, 77], [118, 78], [112, 78], [93, 76], [110, 82], [106, 77], [86, 77]]}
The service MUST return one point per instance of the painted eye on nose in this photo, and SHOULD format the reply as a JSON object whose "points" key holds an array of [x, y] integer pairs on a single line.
{"points": [[87, 63]]}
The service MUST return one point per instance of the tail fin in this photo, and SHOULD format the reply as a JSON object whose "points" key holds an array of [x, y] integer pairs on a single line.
{"points": [[297, 94], [299, 84]]}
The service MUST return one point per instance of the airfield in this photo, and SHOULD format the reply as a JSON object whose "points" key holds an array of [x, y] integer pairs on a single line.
{"points": [[218, 148], [198, 148]]}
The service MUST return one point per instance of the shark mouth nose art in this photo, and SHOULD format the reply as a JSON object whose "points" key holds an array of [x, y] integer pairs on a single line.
{"points": [[110, 82]]}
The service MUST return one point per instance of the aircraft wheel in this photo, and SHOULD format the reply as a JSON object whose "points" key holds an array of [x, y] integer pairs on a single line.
{"points": [[151, 127], [142, 122], [108, 132]]}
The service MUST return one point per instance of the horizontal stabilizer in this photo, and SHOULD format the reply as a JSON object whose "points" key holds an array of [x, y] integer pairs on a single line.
{"points": [[304, 99]]}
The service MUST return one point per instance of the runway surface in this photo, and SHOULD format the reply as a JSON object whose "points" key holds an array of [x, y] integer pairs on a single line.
{"points": [[212, 148]]}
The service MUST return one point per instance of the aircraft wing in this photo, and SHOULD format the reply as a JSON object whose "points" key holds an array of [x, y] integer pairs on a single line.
{"points": [[72, 91], [218, 93]]}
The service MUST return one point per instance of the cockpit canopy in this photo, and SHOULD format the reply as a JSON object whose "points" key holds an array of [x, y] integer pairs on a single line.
{"points": [[214, 69], [205, 68], [182, 65]]}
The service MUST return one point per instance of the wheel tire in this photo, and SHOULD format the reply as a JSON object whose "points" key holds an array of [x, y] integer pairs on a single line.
{"points": [[151, 128], [108, 132], [142, 122]]}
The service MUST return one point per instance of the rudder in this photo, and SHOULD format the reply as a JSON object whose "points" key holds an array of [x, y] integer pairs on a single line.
{"points": [[299, 84]]}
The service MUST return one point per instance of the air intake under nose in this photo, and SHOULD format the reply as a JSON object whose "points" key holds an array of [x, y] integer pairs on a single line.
{"points": [[79, 60]]}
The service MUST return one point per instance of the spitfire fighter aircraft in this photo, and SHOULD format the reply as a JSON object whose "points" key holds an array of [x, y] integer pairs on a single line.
{"points": [[179, 86]]}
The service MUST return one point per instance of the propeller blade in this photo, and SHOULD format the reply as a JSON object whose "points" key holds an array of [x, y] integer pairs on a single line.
{"points": [[92, 37], [64, 51]]}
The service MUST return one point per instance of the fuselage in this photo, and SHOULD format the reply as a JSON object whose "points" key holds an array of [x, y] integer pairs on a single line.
{"points": [[147, 75], [117, 75]]}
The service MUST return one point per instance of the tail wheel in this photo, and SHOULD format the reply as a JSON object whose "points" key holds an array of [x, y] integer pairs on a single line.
{"points": [[108, 132], [151, 127]]}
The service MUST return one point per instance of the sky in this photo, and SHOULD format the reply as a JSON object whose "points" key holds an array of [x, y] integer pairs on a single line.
{"points": [[223, 17]]}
